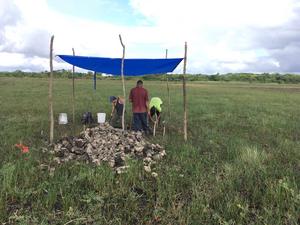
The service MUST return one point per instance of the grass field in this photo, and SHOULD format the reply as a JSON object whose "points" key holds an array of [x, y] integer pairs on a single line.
{"points": [[241, 164]]}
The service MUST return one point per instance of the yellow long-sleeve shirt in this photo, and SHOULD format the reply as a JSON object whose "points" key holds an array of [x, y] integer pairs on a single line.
{"points": [[156, 102]]}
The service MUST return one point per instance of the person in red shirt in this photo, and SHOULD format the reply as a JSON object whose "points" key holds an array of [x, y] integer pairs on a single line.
{"points": [[140, 107]]}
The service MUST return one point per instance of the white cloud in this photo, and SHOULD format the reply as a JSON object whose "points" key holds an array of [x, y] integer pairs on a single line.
{"points": [[222, 35], [17, 61], [226, 35], [223, 13]]}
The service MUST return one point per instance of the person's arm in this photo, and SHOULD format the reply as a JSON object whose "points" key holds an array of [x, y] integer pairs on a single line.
{"points": [[152, 120], [147, 106], [159, 116], [113, 106], [147, 102]]}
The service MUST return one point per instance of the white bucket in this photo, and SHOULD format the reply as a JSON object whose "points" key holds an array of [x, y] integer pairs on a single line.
{"points": [[63, 118], [101, 117]]}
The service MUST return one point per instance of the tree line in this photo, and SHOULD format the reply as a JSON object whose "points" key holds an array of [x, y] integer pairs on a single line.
{"points": [[238, 77]]}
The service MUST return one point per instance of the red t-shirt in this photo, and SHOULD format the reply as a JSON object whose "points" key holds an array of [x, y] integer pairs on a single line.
{"points": [[139, 98]]}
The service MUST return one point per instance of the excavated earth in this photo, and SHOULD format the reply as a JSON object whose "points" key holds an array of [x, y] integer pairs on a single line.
{"points": [[105, 144]]}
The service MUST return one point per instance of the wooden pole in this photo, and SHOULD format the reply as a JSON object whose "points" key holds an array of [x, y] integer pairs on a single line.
{"points": [[95, 80], [73, 93], [168, 90], [123, 82], [50, 103], [184, 94]]}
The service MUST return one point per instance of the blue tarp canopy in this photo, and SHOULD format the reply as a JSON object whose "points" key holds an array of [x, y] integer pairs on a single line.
{"points": [[132, 67]]}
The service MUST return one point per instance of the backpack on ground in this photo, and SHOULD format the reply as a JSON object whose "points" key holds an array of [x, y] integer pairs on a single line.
{"points": [[87, 118]]}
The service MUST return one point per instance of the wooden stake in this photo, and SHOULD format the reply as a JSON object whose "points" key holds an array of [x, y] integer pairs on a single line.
{"points": [[123, 82], [73, 94], [169, 98], [95, 80], [50, 103], [168, 90], [184, 94]]}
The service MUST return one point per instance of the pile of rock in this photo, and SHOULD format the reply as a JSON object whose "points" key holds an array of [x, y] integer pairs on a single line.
{"points": [[105, 144]]}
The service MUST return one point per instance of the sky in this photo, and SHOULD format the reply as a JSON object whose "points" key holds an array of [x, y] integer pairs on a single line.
{"points": [[223, 36]]}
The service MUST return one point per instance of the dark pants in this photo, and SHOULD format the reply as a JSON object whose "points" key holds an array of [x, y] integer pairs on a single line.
{"points": [[140, 122], [116, 120]]}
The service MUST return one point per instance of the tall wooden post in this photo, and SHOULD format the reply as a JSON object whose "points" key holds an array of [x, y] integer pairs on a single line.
{"points": [[95, 80], [184, 94], [73, 93], [168, 90], [50, 103], [123, 82]]}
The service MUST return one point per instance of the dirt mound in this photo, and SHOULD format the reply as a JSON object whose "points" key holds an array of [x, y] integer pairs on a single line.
{"points": [[105, 144]]}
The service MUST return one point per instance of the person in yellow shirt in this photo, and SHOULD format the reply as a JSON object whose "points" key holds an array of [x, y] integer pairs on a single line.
{"points": [[155, 109]]}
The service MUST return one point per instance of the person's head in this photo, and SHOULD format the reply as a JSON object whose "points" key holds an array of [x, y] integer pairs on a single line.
{"points": [[139, 83], [112, 99]]}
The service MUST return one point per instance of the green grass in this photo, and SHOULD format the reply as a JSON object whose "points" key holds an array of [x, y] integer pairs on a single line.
{"points": [[241, 164]]}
